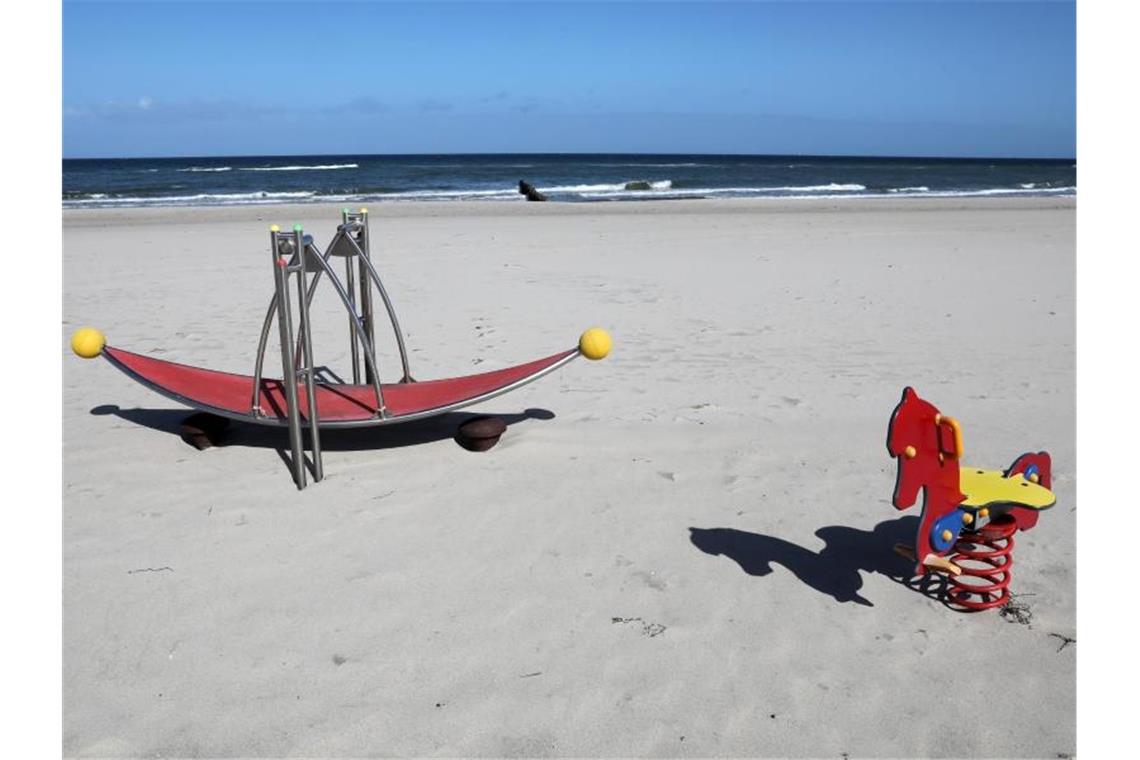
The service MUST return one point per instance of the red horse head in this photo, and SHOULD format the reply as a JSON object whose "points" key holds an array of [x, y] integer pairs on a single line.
{"points": [[927, 446]]}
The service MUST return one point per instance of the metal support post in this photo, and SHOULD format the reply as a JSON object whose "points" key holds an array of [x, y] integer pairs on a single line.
{"points": [[280, 245], [307, 350]]}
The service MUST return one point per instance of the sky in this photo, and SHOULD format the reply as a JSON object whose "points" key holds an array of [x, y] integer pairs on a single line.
{"points": [[954, 78]]}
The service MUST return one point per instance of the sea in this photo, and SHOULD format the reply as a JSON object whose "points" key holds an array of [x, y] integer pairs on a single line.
{"points": [[576, 178]]}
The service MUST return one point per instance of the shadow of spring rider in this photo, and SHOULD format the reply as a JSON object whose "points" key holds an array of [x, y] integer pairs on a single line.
{"points": [[969, 514], [314, 399]]}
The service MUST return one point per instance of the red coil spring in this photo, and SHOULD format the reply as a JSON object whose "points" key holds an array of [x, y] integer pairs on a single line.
{"points": [[986, 559]]}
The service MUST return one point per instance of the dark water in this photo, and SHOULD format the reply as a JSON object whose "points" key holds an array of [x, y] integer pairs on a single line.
{"points": [[563, 177]]}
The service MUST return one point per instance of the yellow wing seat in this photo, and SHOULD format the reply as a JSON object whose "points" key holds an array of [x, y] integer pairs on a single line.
{"points": [[990, 488]]}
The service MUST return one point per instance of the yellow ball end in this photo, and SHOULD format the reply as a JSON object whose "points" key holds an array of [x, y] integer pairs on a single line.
{"points": [[274, 228], [947, 535], [87, 342], [595, 343]]}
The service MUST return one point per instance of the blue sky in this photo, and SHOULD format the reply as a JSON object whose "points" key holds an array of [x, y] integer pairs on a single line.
{"points": [[857, 78]]}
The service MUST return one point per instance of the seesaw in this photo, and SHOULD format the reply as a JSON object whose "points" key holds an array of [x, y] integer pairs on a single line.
{"points": [[969, 514], [305, 399]]}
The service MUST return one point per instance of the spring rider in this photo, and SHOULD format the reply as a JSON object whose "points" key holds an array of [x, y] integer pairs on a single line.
{"points": [[969, 514]]}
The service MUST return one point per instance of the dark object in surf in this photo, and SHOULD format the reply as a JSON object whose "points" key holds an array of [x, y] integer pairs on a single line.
{"points": [[203, 430], [529, 190], [480, 433]]}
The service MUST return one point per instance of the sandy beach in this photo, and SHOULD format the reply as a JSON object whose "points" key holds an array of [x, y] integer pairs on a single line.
{"points": [[683, 550]]}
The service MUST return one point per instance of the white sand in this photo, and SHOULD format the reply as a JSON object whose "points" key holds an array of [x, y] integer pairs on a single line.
{"points": [[548, 597]]}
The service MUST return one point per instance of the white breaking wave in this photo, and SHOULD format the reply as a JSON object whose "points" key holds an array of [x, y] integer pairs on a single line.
{"points": [[830, 187], [599, 192], [664, 184], [452, 194], [318, 167], [204, 169], [610, 191], [993, 191], [813, 191], [1010, 191], [658, 166], [203, 198], [581, 188]]}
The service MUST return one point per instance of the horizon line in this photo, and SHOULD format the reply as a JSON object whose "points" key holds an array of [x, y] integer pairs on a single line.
{"points": [[575, 153]]}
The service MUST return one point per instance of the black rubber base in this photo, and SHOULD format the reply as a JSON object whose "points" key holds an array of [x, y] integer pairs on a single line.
{"points": [[481, 433], [203, 430]]}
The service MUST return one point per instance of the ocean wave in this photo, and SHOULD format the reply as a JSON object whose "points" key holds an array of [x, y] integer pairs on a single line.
{"points": [[471, 165], [661, 189], [825, 192], [634, 184], [687, 192], [687, 164], [784, 189], [446, 194], [829, 187], [102, 199], [1007, 192], [203, 169], [664, 184], [581, 188], [316, 167]]}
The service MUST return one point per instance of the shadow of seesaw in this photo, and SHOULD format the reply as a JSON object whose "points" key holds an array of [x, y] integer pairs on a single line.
{"points": [[412, 433], [834, 570]]}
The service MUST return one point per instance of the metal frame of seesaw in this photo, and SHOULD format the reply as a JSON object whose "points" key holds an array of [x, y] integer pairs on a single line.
{"points": [[294, 253]]}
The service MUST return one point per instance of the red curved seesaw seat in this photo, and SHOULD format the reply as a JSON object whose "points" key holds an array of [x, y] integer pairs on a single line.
{"points": [[230, 395]]}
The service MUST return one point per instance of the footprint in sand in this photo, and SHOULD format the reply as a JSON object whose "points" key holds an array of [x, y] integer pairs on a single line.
{"points": [[651, 580]]}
